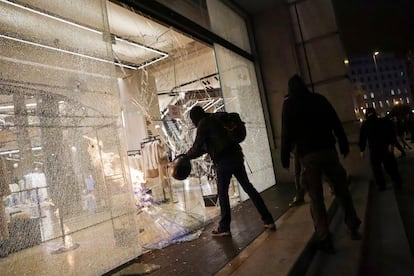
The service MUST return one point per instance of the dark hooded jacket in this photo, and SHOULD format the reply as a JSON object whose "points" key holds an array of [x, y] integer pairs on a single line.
{"points": [[212, 138], [378, 132], [309, 123]]}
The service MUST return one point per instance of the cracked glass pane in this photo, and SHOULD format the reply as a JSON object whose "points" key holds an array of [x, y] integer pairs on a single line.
{"points": [[157, 99], [94, 101], [241, 94], [65, 184]]}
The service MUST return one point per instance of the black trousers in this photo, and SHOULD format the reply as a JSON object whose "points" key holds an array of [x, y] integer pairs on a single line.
{"points": [[300, 190], [326, 163], [387, 159], [225, 169]]}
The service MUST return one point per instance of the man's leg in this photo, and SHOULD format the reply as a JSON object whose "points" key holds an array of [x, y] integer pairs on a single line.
{"points": [[254, 195], [223, 182], [376, 167], [312, 181], [300, 190], [336, 175], [391, 166]]}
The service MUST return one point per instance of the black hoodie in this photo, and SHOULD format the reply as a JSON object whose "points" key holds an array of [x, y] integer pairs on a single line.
{"points": [[309, 123], [378, 132], [211, 138]]}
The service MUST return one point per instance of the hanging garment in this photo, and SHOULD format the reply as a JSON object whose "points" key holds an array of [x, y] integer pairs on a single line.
{"points": [[149, 159]]}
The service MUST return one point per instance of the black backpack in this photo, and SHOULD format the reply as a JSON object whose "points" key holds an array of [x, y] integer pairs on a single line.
{"points": [[234, 125]]}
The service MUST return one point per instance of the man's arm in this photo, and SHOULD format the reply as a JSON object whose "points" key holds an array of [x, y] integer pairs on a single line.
{"points": [[198, 147]]}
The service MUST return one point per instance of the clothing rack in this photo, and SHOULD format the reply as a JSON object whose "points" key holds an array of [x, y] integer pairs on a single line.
{"points": [[133, 152], [149, 140], [161, 169]]}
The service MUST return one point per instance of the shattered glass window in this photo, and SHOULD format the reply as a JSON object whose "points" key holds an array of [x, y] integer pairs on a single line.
{"points": [[64, 183], [94, 103]]}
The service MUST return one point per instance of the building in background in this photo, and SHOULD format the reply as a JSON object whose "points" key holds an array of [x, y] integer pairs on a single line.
{"points": [[380, 81]]}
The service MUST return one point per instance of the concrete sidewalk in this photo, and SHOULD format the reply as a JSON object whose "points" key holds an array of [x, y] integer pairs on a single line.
{"points": [[384, 249], [287, 252], [253, 251]]}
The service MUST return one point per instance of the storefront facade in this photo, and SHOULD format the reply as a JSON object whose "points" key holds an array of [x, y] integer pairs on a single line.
{"points": [[94, 105]]}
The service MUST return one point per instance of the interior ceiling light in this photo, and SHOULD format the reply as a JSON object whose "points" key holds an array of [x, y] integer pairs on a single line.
{"points": [[67, 52], [162, 54]]}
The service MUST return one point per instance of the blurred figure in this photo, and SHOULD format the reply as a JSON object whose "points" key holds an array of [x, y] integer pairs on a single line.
{"points": [[311, 126], [390, 120], [410, 122], [299, 198], [381, 140], [401, 129]]}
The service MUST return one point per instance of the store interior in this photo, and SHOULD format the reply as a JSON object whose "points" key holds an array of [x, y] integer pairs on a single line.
{"points": [[80, 150]]}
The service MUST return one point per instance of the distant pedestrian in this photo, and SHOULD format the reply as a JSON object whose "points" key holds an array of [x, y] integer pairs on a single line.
{"points": [[410, 122], [228, 159], [400, 148], [299, 198], [381, 139], [310, 124], [401, 129]]}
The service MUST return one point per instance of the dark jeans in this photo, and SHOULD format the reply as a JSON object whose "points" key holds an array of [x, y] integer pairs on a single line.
{"points": [[314, 166], [300, 191], [225, 169], [386, 158]]}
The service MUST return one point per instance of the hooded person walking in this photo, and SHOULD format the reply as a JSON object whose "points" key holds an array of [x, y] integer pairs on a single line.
{"points": [[381, 138], [311, 126]]}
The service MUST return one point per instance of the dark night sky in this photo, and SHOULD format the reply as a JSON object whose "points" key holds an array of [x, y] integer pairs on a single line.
{"points": [[383, 25]]}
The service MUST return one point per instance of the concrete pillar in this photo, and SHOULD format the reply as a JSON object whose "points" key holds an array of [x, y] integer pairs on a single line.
{"points": [[301, 39]]}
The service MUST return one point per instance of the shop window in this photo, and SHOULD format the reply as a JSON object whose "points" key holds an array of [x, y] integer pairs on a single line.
{"points": [[66, 162], [78, 158], [228, 24], [240, 85]]}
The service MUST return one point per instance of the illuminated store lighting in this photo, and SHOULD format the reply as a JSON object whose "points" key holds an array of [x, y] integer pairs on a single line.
{"points": [[67, 52], [162, 54], [12, 106], [17, 151]]}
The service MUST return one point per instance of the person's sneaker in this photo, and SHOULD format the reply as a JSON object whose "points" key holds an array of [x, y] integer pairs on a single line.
{"points": [[217, 233], [270, 226], [296, 202]]}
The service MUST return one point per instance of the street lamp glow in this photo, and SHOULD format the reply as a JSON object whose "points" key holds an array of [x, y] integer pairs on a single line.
{"points": [[376, 53], [346, 61]]}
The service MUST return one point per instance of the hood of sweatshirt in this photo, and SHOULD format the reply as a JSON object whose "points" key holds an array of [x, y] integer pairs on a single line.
{"points": [[297, 87]]}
